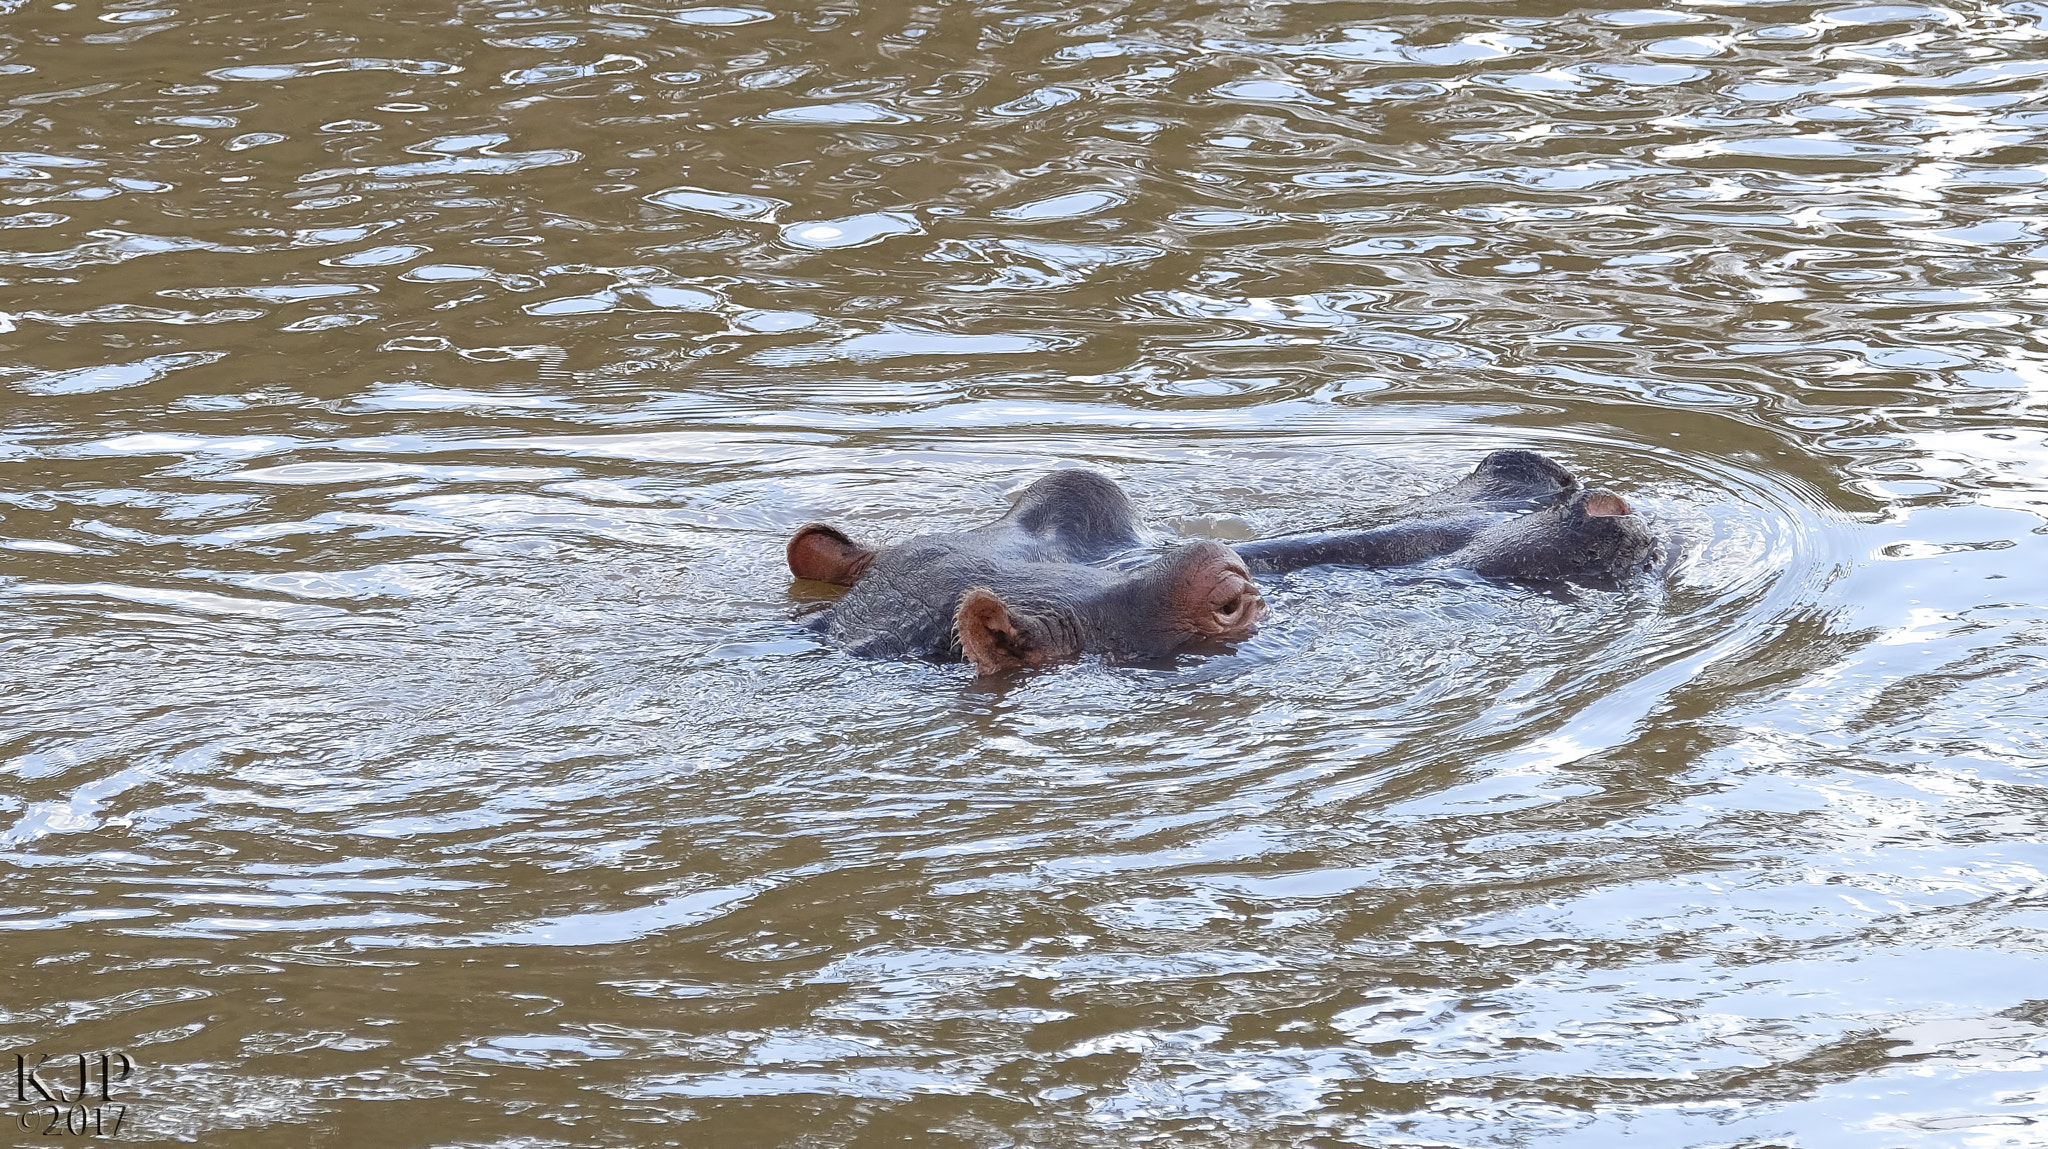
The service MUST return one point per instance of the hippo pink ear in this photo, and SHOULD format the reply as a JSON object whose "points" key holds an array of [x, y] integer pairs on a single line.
{"points": [[1601, 503], [825, 554], [992, 638]]}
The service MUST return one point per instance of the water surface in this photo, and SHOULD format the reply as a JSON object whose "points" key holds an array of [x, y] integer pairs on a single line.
{"points": [[408, 740]]}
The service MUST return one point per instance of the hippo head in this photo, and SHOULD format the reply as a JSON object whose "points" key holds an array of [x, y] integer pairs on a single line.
{"points": [[1033, 588], [1200, 595], [1586, 534]]}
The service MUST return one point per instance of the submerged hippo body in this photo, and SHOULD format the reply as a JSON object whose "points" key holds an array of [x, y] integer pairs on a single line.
{"points": [[1037, 586]]}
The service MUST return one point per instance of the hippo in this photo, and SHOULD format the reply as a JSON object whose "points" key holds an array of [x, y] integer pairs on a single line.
{"points": [[1066, 572]]}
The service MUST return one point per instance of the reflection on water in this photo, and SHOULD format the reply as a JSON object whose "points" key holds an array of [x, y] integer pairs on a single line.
{"points": [[408, 741]]}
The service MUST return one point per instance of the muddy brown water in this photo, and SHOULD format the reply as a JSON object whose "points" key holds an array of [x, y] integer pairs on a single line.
{"points": [[407, 740]]}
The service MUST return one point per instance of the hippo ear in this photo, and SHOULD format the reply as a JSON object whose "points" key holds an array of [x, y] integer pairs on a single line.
{"points": [[827, 555], [1601, 503], [994, 639]]}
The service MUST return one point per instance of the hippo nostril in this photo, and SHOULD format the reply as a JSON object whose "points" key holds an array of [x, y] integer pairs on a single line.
{"points": [[1241, 608]]}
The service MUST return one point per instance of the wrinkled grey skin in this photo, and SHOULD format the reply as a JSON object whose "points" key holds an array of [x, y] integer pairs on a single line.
{"points": [[1033, 587]]}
